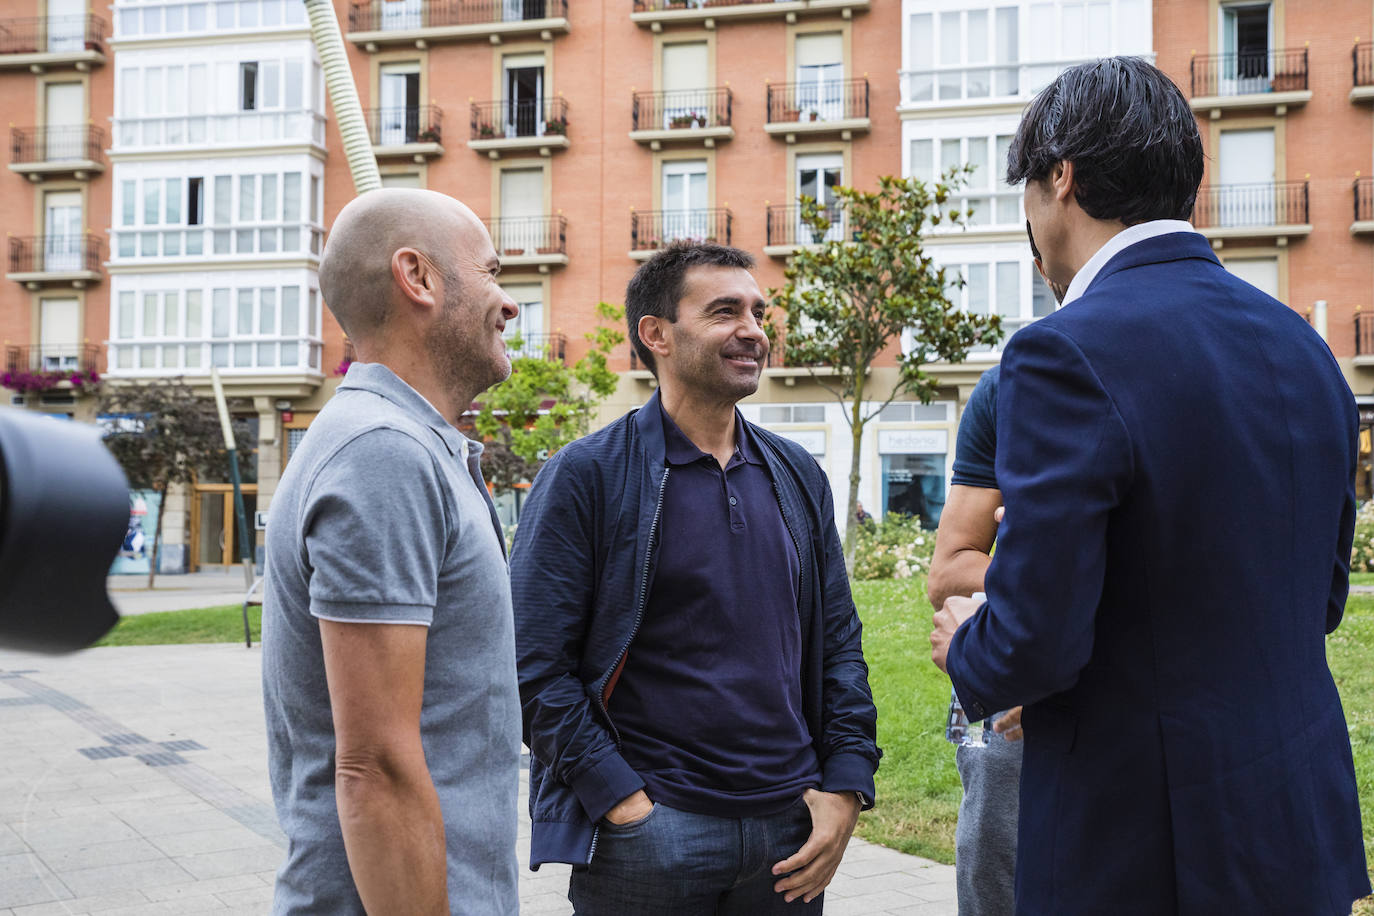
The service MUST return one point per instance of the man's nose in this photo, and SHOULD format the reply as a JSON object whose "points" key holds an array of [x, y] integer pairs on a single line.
{"points": [[509, 309]]}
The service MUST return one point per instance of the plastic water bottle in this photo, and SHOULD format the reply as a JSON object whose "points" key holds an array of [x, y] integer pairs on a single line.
{"points": [[958, 729]]}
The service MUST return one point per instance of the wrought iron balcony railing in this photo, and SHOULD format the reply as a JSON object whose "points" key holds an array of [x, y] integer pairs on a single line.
{"points": [[1240, 205], [652, 229], [529, 236], [1364, 333], [55, 254], [683, 109], [1364, 199], [407, 15], [1275, 70], [66, 143], [785, 227], [1362, 63], [398, 126], [509, 119], [52, 35], [830, 100], [52, 358], [552, 347], [659, 6]]}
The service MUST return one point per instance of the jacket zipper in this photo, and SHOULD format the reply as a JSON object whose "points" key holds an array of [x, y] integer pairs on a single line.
{"points": [[639, 618], [796, 544]]}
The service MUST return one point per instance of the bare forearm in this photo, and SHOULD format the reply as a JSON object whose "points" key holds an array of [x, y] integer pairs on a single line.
{"points": [[394, 836], [961, 573]]}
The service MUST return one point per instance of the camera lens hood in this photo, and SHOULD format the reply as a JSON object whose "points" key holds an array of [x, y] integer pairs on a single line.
{"points": [[64, 509]]}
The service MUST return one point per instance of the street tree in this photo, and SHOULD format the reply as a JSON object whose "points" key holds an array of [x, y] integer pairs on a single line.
{"points": [[851, 297], [163, 435], [544, 405]]}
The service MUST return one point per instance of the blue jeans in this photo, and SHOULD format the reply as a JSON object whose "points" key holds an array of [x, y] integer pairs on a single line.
{"points": [[674, 863]]}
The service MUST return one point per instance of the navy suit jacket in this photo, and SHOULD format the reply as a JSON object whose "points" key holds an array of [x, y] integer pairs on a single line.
{"points": [[1176, 452]]}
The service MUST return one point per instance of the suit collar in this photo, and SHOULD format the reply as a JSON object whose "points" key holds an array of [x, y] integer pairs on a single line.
{"points": [[1175, 246], [1128, 239]]}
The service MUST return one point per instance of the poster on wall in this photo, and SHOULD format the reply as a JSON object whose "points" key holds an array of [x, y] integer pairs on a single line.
{"points": [[136, 553]]}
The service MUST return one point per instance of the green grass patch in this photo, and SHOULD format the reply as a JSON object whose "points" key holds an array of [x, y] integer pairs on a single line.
{"points": [[1350, 652], [918, 785], [164, 628], [1362, 578]]}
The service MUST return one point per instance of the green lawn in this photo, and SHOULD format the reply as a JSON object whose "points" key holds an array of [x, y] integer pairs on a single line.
{"points": [[211, 624], [1362, 578], [918, 786]]}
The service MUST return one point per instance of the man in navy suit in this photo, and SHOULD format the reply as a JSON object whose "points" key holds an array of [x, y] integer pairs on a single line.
{"points": [[1176, 454]]}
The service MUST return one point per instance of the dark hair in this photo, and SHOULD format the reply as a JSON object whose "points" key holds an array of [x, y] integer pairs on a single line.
{"points": [[1035, 252], [1129, 133], [656, 288]]}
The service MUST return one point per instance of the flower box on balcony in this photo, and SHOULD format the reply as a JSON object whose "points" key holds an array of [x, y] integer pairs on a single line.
{"points": [[429, 135], [557, 126], [512, 252], [549, 249]]}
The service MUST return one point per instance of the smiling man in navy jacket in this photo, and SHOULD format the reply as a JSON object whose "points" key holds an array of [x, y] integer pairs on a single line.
{"points": [[695, 697], [1176, 453]]}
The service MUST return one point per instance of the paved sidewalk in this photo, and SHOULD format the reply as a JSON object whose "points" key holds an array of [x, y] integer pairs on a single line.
{"points": [[131, 594], [134, 783]]}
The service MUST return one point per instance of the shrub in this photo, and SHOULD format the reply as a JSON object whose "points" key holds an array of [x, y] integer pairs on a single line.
{"points": [[895, 548], [1362, 551]]}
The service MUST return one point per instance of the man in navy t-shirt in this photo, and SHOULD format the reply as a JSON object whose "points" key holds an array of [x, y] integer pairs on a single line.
{"points": [[985, 838]]}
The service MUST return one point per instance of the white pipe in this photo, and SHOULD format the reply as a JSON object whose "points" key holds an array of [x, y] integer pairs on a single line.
{"points": [[362, 163], [1319, 317]]}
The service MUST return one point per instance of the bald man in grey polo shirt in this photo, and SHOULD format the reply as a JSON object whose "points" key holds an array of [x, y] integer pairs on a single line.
{"points": [[388, 643]]}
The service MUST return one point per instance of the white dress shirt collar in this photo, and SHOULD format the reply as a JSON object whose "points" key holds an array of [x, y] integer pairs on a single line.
{"points": [[1117, 244]]}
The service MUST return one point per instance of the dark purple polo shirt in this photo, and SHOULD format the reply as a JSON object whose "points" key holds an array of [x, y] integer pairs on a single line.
{"points": [[709, 706]]}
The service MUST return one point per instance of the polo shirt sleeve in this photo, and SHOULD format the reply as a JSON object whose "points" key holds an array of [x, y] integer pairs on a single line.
{"points": [[975, 449], [375, 528]]}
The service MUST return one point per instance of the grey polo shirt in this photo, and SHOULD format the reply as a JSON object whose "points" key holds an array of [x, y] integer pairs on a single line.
{"points": [[382, 516]]}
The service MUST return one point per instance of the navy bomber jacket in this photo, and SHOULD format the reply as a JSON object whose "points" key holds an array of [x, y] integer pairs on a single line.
{"points": [[581, 569]]}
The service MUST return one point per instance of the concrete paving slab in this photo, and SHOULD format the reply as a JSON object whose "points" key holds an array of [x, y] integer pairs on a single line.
{"points": [[106, 808]]}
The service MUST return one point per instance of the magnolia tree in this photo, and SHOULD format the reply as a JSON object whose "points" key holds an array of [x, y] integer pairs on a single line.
{"points": [[544, 405], [162, 434], [849, 300]]}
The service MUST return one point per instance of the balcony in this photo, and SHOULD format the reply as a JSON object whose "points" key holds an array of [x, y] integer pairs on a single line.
{"points": [[1364, 338], [53, 358], [153, 20], [377, 23], [657, 14], [55, 260], [42, 43], [786, 232], [271, 364], [1362, 72], [217, 133], [137, 248], [1274, 79], [552, 347], [816, 109], [682, 116], [530, 241], [76, 151], [406, 133], [1364, 207], [651, 230], [1266, 212], [505, 126]]}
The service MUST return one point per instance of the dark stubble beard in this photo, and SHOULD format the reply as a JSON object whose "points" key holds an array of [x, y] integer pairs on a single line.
{"points": [[464, 365]]}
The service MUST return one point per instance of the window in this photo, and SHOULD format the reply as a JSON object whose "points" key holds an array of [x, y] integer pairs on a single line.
{"points": [[820, 76], [195, 201], [986, 193], [1245, 42], [1006, 287], [59, 334], [248, 86], [399, 119], [685, 215], [524, 94], [529, 324]]}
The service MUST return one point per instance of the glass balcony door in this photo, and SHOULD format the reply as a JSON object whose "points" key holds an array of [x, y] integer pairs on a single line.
{"points": [[400, 114], [66, 26], [1246, 194], [64, 107], [62, 231], [817, 178], [524, 96], [685, 215], [820, 76], [59, 334], [402, 14]]}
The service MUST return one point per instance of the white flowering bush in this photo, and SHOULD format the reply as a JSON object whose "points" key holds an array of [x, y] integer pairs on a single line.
{"points": [[1362, 551], [895, 548]]}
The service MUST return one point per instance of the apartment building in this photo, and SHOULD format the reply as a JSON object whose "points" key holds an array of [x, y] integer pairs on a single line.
{"points": [[55, 90], [589, 133], [218, 151], [969, 68]]}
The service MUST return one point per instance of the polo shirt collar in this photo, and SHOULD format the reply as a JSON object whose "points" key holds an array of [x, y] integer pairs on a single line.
{"points": [[679, 450], [378, 379]]}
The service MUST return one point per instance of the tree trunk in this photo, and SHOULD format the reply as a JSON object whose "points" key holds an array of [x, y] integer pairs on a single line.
{"points": [[856, 429], [157, 535]]}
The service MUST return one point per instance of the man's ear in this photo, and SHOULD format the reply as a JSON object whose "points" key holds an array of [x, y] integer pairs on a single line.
{"points": [[1061, 180], [653, 331], [415, 277]]}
